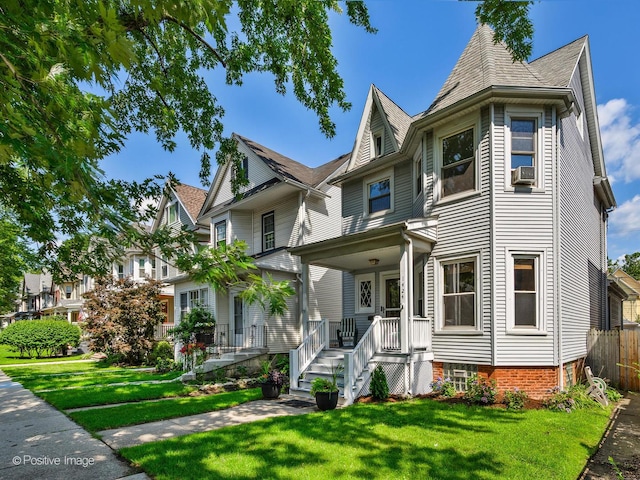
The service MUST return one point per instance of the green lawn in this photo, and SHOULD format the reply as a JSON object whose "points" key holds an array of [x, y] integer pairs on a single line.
{"points": [[89, 396], [18, 373], [85, 379], [144, 412], [415, 439], [10, 357]]}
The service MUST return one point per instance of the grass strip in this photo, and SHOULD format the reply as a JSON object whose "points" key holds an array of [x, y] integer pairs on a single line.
{"points": [[36, 383], [89, 396], [144, 412], [8, 356], [414, 439], [55, 369]]}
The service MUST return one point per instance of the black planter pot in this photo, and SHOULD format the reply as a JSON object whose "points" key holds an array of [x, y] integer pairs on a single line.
{"points": [[270, 390], [326, 400]]}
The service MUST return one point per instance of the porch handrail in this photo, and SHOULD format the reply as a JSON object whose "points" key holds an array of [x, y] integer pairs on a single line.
{"points": [[422, 333], [308, 350], [356, 360]]}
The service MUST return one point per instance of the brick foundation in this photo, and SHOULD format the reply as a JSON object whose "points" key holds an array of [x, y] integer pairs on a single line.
{"points": [[536, 381]]}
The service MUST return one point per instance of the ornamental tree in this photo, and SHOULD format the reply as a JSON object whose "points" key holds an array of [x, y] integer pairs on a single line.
{"points": [[121, 316]]}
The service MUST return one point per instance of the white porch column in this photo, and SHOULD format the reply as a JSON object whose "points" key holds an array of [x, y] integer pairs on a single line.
{"points": [[304, 300], [69, 316], [406, 294]]}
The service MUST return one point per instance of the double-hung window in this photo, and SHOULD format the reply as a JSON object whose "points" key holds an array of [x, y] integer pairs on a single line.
{"points": [[525, 288], [268, 231], [377, 140], [459, 297], [379, 195], [523, 142], [172, 213], [524, 147], [458, 172], [220, 233]]}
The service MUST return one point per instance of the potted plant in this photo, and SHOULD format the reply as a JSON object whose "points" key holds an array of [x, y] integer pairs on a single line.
{"points": [[271, 380], [326, 390]]}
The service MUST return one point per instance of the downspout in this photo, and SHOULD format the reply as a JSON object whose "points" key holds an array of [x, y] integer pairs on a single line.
{"points": [[556, 247]]}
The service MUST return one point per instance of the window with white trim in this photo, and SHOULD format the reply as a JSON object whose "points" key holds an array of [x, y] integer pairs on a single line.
{"points": [[378, 193], [268, 231], [220, 230], [365, 293], [377, 142], [192, 299], [523, 143], [417, 173], [458, 169], [459, 293], [525, 287], [172, 213]]}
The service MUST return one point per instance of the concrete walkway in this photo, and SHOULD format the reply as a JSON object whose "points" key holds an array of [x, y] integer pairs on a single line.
{"points": [[621, 442], [247, 412], [39, 442]]}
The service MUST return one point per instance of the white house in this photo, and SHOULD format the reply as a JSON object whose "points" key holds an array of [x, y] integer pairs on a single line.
{"points": [[285, 204], [476, 229]]}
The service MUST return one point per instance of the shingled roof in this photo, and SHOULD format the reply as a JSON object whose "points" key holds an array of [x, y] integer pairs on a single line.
{"points": [[191, 198], [398, 119], [289, 168], [558, 66], [483, 64]]}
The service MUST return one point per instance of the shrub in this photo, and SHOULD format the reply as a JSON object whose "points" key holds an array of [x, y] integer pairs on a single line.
{"points": [[514, 399], [444, 388], [166, 365], [379, 385], [613, 395], [481, 391], [320, 384], [198, 320], [162, 350], [573, 398], [46, 337]]}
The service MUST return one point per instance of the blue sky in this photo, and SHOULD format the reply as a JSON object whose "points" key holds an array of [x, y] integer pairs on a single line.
{"points": [[417, 45]]}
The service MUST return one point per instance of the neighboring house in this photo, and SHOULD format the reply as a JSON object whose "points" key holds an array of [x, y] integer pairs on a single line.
{"points": [[616, 296], [631, 287], [68, 298], [284, 205], [36, 295], [178, 209], [475, 229]]}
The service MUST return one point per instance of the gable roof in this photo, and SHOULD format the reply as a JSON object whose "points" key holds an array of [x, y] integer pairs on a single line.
{"points": [[191, 198], [286, 170], [629, 284], [558, 66]]}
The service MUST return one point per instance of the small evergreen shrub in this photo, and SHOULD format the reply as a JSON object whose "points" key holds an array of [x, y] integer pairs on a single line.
{"points": [[514, 399], [444, 388], [379, 385], [161, 350], [481, 391], [46, 337]]}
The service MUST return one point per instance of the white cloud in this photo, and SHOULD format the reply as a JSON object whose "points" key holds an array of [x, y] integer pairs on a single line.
{"points": [[625, 220], [620, 140]]}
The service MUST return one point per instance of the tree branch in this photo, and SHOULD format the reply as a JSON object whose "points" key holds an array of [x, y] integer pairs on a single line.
{"points": [[186, 27]]}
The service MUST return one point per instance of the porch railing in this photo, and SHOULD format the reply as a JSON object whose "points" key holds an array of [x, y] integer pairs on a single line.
{"points": [[162, 330], [389, 332], [227, 338], [356, 360], [308, 350], [422, 334]]}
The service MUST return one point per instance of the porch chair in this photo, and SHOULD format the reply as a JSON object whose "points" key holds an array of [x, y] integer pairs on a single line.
{"points": [[347, 333], [597, 388]]}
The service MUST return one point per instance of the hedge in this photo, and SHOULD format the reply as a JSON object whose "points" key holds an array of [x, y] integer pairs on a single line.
{"points": [[46, 337]]}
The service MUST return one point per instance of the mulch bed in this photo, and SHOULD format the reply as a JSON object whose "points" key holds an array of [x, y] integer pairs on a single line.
{"points": [[529, 404]]}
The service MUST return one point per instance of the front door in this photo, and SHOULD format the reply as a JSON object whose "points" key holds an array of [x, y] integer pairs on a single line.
{"points": [[390, 304], [238, 320]]}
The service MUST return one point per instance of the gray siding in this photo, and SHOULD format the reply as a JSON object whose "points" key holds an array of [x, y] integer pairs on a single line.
{"points": [[374, 124], [463, 228], [583, 263], [323, 216], [325, 293], [286, 219], [523, 221], [354, 217]]}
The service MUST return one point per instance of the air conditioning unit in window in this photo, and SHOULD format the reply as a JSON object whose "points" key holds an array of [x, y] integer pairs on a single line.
{"points": [[523, 176]]}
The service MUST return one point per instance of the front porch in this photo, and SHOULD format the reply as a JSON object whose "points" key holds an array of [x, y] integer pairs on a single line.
{"points": [[406, 372], [387, 301]]}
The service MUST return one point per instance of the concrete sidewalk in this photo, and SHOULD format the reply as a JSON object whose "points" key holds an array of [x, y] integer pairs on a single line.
{"points": [[39, 442], [247, 412], [621, 442]]}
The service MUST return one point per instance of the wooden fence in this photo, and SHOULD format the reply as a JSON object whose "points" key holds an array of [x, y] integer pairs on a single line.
{"points": [[608, 349]]}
